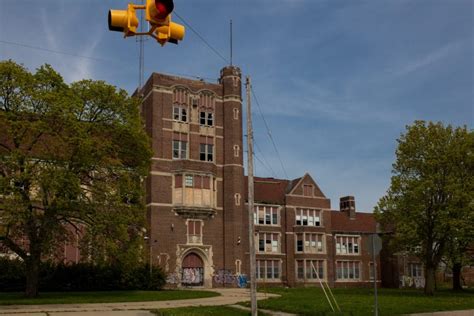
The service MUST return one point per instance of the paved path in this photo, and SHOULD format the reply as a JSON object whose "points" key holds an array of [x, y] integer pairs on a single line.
{"points": [[448, 313], [228, 297]]}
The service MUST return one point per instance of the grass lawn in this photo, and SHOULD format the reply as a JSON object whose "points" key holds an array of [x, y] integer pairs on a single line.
{"points": [[311, 301], [101, 297], [203, 311]]}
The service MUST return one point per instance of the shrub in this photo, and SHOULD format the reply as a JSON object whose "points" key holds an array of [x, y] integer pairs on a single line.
{"points": [[81, 277]]}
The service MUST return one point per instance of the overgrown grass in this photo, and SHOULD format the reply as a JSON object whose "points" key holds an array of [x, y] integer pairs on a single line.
{"points": [[201, 310], [311, 301], [101, 297]]}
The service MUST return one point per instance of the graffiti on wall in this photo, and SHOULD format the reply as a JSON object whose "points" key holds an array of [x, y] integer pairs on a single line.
{"points": [[172, 278], [242, 280], [225, 276], [416, 282], [192, 276]]}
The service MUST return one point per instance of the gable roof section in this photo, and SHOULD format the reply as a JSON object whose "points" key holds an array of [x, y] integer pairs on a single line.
{"points": [[362, 223], [298, 183], [268, 190]]}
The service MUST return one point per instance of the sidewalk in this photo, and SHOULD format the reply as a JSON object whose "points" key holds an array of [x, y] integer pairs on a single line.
{"points": [[228, 297], [447, 313]]}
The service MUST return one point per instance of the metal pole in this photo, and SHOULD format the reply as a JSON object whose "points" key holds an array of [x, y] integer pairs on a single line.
{"points": [[374, 269], [231, 42], [253, 275]]}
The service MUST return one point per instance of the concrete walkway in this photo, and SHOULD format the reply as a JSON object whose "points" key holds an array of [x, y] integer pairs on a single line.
{"points": [[447, 313], [228, 297]]}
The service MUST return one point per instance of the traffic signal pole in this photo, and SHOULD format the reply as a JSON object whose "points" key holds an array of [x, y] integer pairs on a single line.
{"points": [[253, 274]]}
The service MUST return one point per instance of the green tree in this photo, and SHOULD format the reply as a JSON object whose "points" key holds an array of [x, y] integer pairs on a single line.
{"points": [[72, 157], [429, 202]]}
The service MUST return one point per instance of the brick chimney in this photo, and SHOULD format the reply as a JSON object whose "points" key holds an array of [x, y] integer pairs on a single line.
{"points": [[347, 205]]}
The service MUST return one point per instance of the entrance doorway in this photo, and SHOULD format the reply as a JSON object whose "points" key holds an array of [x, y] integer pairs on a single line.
{"points": [[192, 270]]}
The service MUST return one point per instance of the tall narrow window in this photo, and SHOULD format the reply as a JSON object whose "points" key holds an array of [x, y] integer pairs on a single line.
{"points": [[180, 113], [236, 113], [194, 231], [307, 190], [206, 152], [179, 149], [206, 118], [236, 150]]}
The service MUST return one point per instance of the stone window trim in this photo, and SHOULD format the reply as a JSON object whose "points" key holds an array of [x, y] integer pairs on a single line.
{"points": [[237, 199], [310, 243], [267, 215], [236, 113], [269, 269], [238, 266], [194, 231], [206, 118], [348, 245], [180, 113], [308, 217], [348, 271], [236, 150], [269, 242], [304, 269]]}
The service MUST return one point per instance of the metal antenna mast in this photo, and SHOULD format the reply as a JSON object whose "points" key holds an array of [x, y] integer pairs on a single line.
{"points": [[231, 42]]}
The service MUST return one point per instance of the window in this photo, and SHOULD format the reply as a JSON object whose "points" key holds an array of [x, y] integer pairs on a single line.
{"points": [[307, 190], [188, 181], [236, 150], [206, 118], [415, 270], [179, 149], [310, 269], [348, 270], [194, 231], [237, 199], [266, 215], [206, 152], [268, 269], [306, 217], [268, 242], [180, 113], [236, 113], [309, 243], [347, 245], [371, 270]]}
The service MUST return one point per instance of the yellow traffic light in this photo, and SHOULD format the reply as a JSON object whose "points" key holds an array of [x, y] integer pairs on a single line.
{"points": [[157, 13], [125, 21], [170, 32]]}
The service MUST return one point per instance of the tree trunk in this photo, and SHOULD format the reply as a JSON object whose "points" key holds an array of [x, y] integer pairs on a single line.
{"points": [[457, 277], [430, 280], [32, 276]]}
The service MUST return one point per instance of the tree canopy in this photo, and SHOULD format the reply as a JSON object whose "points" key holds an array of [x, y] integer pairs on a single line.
{"points": [[72, 158], [429, 205]]}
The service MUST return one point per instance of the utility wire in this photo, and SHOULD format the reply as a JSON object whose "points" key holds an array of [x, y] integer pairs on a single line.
{"points": [[53, 51], [268, 131], [201, 38], [266, 165]]}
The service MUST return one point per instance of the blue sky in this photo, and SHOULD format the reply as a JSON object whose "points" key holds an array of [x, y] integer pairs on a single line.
{"points": [[337, 80]]}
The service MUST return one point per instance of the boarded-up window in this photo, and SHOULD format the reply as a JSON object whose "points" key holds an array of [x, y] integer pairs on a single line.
{"points": [[178, 181], [194, 227], [206, 183], [307, 190]]}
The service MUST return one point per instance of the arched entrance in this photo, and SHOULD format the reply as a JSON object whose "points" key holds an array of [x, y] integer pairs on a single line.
{"points": [[192, 270]]}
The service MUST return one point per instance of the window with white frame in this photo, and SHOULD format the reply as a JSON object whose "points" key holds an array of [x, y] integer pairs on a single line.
{"points": [[206, 152], [347, 245], [206, 118], [348, 270], [180, 149], [268, 269], [310, 269], [415, 270], [269, 242], [310, 243], [308, 217], [180, 113], [266, 215]]}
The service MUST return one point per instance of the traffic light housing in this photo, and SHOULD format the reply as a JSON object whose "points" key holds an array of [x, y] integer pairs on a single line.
{"points": [[158, 14], [125, 21]]}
